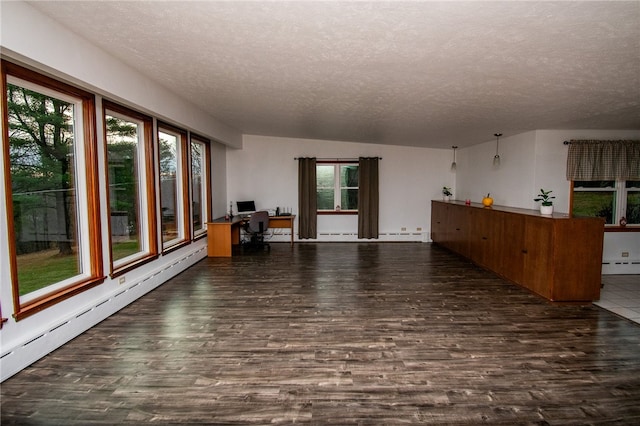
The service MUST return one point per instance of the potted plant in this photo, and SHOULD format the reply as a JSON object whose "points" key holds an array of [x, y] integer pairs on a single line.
{"points": [[546, 207], [446, 193]]}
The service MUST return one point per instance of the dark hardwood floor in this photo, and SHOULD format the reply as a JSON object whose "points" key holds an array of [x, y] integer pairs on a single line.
{"points": [[379, 333]]}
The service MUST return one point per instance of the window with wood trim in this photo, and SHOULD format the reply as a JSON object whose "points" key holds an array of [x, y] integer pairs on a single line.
{"points": [[52, 198], [131, 191], [200, 186], [174, 186], [337, 187]]}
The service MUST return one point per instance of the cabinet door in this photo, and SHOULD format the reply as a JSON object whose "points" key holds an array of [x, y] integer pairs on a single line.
{"points": [[492, 239], [438, 222], [459, 226], [578, 259], [482, 224], [538, 255], [511, 231], [475, 235]]}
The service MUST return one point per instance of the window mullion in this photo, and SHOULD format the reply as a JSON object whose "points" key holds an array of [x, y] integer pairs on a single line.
{"points": [[336, 187], [621, 200]]}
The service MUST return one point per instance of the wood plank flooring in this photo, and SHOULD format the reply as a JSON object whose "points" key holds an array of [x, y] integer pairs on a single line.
{"points": [[330, 333]]}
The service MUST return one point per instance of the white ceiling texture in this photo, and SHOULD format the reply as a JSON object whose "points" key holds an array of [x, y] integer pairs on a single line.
{"points": [[417, 73]]}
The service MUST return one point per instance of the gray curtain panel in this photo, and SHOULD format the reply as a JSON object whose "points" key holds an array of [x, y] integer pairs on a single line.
{"points": [[603, 160], [307, 198], [368, 197]]}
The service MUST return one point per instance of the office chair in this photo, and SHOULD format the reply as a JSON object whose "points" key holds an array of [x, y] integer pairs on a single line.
{"points": [[256, 227]]}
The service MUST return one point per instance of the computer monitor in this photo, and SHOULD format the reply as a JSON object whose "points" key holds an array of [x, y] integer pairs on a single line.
{"points": [[246, 207]]}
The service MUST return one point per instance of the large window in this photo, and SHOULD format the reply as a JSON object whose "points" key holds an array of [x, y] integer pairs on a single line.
{"points": [[174, 194], [52, 199], [337, 187], [200, 198], [609, 199], [131, 194]]}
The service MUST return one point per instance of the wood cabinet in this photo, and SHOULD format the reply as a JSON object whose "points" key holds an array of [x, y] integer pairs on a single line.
{"points": [[557, 257]]}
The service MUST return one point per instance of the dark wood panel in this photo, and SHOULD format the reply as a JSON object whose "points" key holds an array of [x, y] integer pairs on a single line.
{"points": [[439, 225], [329, 333], [580, 278], [460, 229], [486, 238], [512, 263], [539, 261]]}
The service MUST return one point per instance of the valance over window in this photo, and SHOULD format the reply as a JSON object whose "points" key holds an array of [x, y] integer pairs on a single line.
{"points": [[590, 160]]}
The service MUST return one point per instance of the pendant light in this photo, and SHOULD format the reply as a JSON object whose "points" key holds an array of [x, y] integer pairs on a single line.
{"points": [[496, 158], [454, 165]]}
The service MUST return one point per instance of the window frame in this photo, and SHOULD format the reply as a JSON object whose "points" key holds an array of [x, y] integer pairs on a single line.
{"points": [[337, 188], [149, 229], [183, 211], [91, 242], [206, 185], [620, 203]]}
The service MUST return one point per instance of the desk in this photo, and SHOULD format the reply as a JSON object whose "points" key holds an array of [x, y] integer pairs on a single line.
{"points": [[223, 234], [284, 222]]}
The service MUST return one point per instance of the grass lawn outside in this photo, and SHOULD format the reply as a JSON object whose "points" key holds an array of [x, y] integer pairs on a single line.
{"points": [[44, 268]]}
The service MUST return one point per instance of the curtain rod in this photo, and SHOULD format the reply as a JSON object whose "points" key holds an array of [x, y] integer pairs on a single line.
{"points": [[594, 140], [336, 159]]}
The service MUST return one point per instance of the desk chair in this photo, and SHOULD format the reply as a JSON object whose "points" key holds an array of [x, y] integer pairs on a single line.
{"points": [[256, 227]]}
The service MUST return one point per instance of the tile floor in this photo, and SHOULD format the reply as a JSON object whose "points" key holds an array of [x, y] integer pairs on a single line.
{"points": [[621, 295]]}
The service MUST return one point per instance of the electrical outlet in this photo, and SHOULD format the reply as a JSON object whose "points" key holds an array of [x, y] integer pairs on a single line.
{"points": [[625, 254], [418, 229], [403, 228], [121, 280]]}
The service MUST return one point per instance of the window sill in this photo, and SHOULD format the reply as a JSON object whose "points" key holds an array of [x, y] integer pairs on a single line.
{"points": [[35, 306], [335, 212], [122, 269], [628, 228], [175, 246]]}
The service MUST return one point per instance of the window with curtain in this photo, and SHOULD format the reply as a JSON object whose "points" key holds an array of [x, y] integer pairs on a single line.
{"points": [[605, 176], [338, 187]]}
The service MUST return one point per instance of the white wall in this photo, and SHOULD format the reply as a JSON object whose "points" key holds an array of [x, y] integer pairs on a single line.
{"points": [[535, 160], [617, 243], [510, 184], [265, 171], [33, 39]]}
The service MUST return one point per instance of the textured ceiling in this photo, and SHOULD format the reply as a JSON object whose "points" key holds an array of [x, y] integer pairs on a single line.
{"points": [[408, 73]]}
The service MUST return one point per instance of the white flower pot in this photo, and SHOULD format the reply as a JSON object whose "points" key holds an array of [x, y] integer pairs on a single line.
{"points": [[546, 209]]}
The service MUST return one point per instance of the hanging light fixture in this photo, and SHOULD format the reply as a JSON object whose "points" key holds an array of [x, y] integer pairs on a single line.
{"points": [[454, 165], [496, 158]]}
